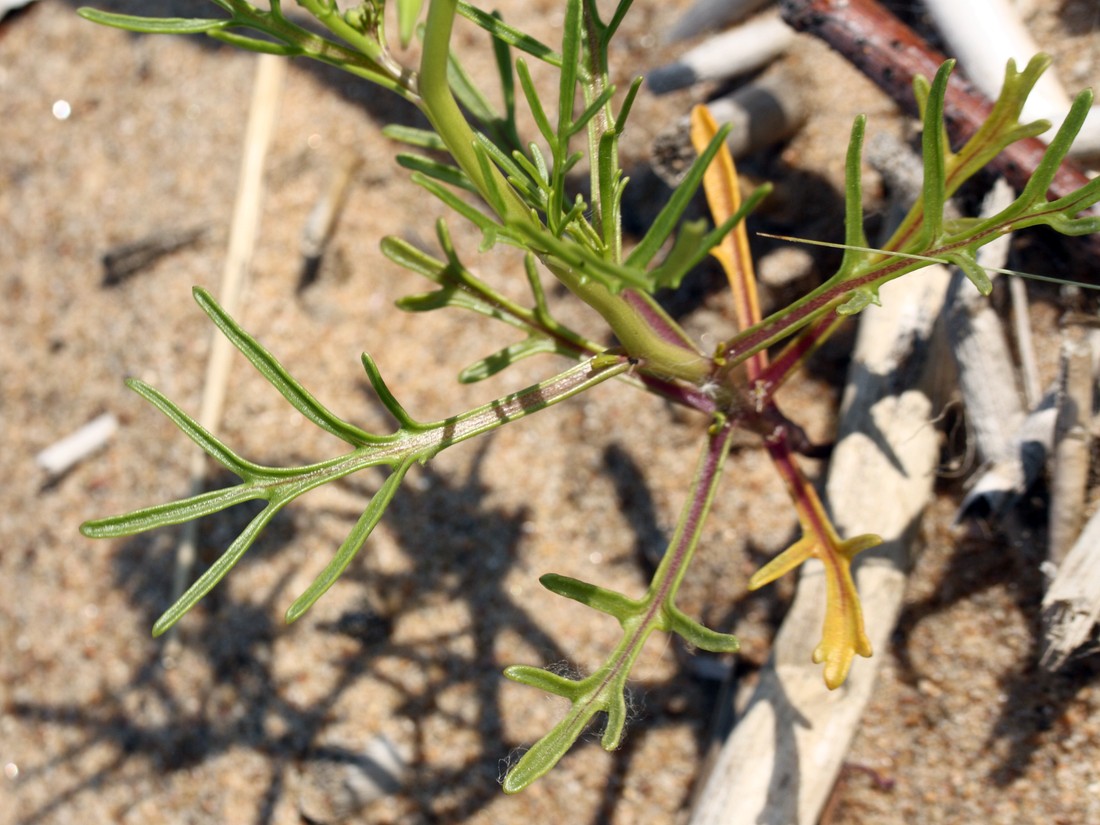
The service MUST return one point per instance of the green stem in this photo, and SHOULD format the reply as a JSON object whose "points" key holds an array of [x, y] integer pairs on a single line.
{"points": [[603, 690], [441, 109], [439, 105]]}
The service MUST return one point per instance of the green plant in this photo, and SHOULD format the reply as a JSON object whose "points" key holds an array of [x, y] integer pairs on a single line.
{"points": [[517, 193]]}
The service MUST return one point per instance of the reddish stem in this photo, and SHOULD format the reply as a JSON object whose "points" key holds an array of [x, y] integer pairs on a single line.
{"points": [[891, 54]]}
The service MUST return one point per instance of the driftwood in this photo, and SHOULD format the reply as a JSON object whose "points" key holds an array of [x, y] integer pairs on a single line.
{"points": [[779, 764], [1025, 349], [323, 217], [1071, 606], [1070, 471], [266, 93], [767, 110], [987, 374], [730, 54], [1008, 478], [1003, 37], [1005, 480], [64, 454], [891, 54], [710, 15]]}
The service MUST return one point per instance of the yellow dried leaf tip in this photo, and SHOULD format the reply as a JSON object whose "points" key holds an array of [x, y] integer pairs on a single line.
{"points": [[842, 635]]}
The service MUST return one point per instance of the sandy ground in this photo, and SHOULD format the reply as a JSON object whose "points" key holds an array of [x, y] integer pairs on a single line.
{"points": [[396, 673]]}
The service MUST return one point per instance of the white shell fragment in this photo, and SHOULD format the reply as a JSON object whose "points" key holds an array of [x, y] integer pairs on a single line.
{"points": [[62, 455]]}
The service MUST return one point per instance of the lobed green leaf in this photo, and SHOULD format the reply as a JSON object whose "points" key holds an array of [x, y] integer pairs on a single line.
{"points": [[206, 582], [490, 365], [270, 368], [422, 138], [509, 34], [670, 214], [175, 512], [352, 544], [596, 597], [408, 12], [153, 25], [443, 172], [696, 634]]}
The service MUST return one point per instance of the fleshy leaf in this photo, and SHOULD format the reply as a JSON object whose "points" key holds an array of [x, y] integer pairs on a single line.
{"points": [[490, 365], [153, 25], [407, 13], [698, 635], [858, 301], [596, 597], [352, 544]]}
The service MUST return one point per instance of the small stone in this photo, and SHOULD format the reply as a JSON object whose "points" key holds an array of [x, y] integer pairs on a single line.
{"points": [[337, 782]]}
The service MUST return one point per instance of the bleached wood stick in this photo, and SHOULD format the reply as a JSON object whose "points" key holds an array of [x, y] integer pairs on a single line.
{"points": [[781, 760], [1071, 606], [738, 51], [66, 453], [1069, 476], [763, 112], [1006, 480], [712, 15], [984, 35], [325, 213], [891, 54], [1021, 327], [1001, 484], [987, 374]]}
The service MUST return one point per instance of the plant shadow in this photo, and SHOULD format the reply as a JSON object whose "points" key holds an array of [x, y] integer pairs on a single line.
{"points": [[219, 690], [236, 700]]}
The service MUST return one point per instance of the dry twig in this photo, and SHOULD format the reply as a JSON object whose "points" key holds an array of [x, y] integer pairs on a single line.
{"points": [[891, 54]]}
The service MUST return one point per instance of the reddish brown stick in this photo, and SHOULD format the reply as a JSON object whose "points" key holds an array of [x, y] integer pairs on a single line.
{"points": [[891, 54]]}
